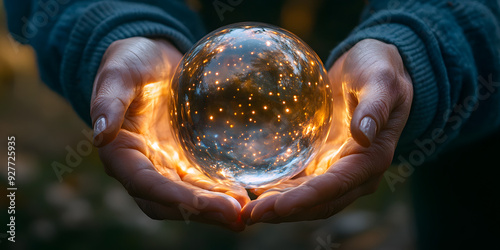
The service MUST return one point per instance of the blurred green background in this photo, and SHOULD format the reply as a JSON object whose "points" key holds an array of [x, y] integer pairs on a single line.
{"points": [[88, 209]]}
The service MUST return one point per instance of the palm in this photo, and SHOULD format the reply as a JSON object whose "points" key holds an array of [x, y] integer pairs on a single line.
{"points": [[143, 155], [150, 132], [352, 161], [337, 137]]}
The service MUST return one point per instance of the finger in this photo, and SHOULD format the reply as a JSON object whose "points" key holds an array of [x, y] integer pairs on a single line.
{"points": [[386, 97], [350, 173], [340, 117], [140, 178], [266, 202], [375, 101], [373, 73], [202, 181], [127, 65], [327, 209], [114, 91], [251, 215], [160, 212], [345, 175]]}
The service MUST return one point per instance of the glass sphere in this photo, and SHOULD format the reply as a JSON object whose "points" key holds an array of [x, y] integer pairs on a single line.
{"points": [[250, 104]]}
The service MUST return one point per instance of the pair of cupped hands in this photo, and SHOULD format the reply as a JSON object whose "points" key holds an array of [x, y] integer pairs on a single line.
{"points": [[372, 94]]}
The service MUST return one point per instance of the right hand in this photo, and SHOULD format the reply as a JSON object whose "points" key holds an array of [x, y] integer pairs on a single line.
{"points": [[132, 131], [372, 94]]}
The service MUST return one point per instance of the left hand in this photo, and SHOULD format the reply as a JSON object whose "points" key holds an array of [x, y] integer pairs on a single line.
{"points": [[132, 130], [373, 95]]}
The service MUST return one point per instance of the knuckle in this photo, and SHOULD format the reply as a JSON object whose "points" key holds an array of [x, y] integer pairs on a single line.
{"points": [[112, 68], [111, 73], [346, 184], [131, 67], [96, 106], [380, 109], [385, 75]]}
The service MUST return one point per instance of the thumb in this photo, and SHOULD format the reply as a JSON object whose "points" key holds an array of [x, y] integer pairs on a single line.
{"points": [[375, 103], [114, 91], [378, 83]]}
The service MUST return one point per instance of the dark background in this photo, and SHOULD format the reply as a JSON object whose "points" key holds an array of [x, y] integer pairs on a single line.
{"points": [[88, 209]]}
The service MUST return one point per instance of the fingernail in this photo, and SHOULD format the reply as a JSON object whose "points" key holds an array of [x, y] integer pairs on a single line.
{"points": [[369, 128], [99, 126], [216, 216], [268, 216]]}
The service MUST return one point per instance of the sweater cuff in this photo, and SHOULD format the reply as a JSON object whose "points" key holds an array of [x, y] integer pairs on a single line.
{"points": [[421, 54], [100, 25]]}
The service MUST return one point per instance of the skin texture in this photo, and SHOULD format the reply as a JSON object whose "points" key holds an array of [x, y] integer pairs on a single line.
{"points": [[369, 80], [136, 146]]}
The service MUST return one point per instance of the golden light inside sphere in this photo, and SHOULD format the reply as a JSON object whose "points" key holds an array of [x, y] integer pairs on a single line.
{"points": [[250, 104]]}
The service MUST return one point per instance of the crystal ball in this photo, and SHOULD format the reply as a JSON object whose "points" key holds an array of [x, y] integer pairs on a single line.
{"points": [[250, 104]]}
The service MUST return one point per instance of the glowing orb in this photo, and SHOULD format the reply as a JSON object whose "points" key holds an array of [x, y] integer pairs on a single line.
{"points": [[250, 104]]}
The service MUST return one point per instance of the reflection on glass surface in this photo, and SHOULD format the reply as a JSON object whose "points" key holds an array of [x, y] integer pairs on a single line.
{"points": [[250, 103]]}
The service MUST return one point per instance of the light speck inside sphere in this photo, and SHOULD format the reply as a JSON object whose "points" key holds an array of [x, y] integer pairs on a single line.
{"points": [[250, 104]]}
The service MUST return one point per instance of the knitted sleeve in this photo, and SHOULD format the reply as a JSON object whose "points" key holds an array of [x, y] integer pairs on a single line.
{"points": [[451, 50], [70, 37]]}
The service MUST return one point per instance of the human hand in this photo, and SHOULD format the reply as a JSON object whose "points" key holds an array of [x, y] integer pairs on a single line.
{"points": [[373, 94], [133, 133]]}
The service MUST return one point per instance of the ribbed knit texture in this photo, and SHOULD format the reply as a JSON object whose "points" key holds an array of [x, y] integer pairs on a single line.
{"points": [[451, 50], [102, 24], [446, 47], [71, 44]]}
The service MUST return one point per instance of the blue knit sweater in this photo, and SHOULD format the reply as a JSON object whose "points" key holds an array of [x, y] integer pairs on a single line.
{"points": [[450, 48]]}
